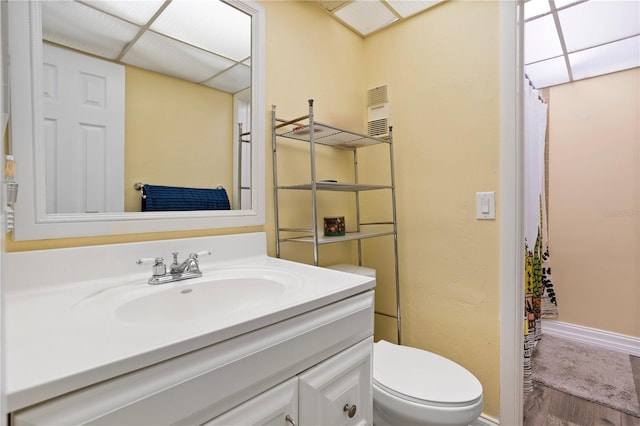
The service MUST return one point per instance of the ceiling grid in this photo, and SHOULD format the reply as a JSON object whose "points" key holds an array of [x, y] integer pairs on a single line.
{"points": [[203, 41], [565, 40]]}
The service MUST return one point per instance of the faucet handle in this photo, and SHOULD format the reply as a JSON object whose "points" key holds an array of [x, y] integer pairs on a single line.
{"points": [[159, 268], [200, 253], [155, 260]]}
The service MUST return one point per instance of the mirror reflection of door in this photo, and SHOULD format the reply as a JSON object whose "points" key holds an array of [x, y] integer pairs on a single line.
{"points": [[84, 133]]}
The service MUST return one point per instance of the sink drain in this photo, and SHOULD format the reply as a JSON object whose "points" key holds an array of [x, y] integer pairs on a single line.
{"points": [[186, 290]]}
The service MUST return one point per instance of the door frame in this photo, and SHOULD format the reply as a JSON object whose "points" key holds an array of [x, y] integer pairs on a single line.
{"points": [[511, 211]]}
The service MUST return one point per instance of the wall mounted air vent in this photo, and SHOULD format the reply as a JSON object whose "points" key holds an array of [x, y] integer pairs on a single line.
{"points": [[378, 112]]}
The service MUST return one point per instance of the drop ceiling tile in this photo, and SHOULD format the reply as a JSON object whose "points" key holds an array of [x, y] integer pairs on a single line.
{"points": [[406, 8], [592, 23], [618, 56], [536, 8], [547, 73], [562, 3], [366, 16], [541, 40], [138, 12], [165, 55], [210, 25], [83, 28], [331, 5], [233, 80]]}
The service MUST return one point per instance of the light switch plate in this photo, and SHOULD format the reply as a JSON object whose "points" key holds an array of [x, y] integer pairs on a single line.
{"points": [[485, 205]]}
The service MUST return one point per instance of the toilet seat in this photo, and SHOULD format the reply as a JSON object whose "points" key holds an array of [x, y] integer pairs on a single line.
{"points": [[423, 377]]}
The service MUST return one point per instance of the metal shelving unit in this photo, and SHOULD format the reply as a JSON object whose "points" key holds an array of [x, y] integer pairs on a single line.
{"points": [[244, 139], [306, 129]]}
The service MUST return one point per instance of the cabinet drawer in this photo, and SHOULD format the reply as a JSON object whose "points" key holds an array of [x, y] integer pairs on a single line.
{"points": [[338, 391], [269, 408]]}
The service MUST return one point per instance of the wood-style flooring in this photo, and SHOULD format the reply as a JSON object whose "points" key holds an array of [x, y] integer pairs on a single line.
{"points": [[548, 407]]}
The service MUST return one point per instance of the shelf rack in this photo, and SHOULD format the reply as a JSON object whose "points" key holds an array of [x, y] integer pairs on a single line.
{"points": [[244, 139], [306, 129]]}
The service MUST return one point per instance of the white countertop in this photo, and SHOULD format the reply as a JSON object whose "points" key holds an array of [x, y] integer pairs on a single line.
{"points": [[53, 348]]}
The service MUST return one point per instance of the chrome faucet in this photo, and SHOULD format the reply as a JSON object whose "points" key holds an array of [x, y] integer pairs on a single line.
{"points": [[189, 268]]}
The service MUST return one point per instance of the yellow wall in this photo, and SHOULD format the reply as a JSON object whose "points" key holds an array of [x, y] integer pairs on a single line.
{"points": [[312, 56], [173, 127], [594, 204], [442, 71]]}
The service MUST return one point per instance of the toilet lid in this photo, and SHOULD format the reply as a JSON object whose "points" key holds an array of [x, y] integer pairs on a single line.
{"points": [[422, 376]]}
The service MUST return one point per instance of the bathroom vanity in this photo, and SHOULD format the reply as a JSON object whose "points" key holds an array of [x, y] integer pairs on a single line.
{"points": [[255, 340]]}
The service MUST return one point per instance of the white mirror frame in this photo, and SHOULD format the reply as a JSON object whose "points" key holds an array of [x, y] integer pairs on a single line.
{"points": [[26, 143]]}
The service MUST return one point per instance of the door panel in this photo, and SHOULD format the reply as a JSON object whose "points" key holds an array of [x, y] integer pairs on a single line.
{"points": [[339, 391], [84, 132]]}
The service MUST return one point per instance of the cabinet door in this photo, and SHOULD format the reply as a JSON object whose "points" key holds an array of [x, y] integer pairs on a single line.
{"points": [[338, 391], [276, 407]]}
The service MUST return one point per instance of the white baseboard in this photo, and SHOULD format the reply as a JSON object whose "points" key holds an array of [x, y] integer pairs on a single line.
{"points": [[592, 336], [485, 420]]}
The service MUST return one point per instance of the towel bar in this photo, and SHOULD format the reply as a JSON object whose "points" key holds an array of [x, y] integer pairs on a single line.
{"points": [[139, 185]]}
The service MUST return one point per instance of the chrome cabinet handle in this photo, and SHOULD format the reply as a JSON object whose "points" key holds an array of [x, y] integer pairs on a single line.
{"points": [[350, 410], [289, 420]]}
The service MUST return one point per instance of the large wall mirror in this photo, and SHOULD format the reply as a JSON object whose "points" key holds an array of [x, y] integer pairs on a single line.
{"points": [[107, 97]]}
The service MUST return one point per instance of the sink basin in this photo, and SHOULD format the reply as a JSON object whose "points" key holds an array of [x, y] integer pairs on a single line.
{"points": [[193, 301], [219, 293]]}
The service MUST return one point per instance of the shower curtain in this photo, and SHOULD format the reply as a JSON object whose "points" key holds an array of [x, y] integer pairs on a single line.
{"points": [[540, 300]]}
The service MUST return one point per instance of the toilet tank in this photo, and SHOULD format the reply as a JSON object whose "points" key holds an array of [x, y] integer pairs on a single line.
{"points": [[354, 269]]}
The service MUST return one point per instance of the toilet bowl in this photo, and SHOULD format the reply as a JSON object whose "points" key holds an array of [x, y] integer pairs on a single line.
{"points": [[415, 387], [419, 388]]}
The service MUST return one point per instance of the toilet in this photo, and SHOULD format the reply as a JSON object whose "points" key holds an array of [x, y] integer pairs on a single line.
{"points": [[414, 387]]}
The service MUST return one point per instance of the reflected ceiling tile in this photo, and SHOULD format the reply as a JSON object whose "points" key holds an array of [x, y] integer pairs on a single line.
{"points": [[596, 22], [83, 28], [536, 8], [209, 24], [562, 3], [541, 40], [168, 56], [547, 73], [331, 5], [232, 80], [366, 16], [135, 11], [618, 56], [407, 8]]}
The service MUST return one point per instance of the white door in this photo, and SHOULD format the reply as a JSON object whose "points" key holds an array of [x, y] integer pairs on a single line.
{"points": [[84, 132], [276, 407], [339, 390]]}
